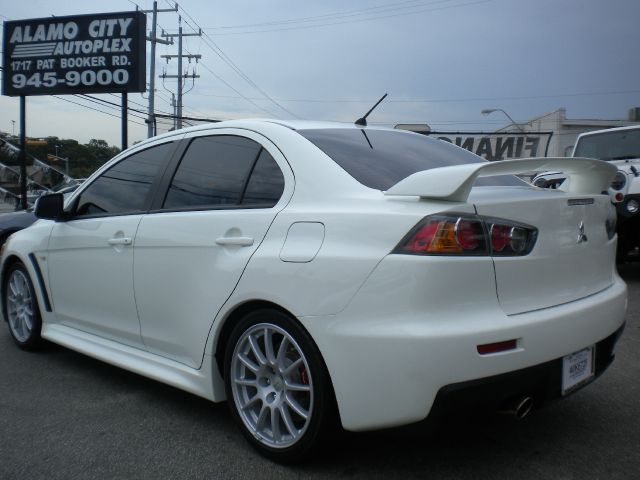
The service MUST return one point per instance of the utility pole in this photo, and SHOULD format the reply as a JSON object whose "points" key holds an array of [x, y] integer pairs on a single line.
{"points": [[180, 56], [152, 69]]}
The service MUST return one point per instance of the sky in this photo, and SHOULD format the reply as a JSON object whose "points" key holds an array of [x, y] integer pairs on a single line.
{"points": [[440, 61]]}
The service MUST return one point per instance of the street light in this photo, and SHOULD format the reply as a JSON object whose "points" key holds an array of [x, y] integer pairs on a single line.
{"points": [[13, 128], [488, 111], [65, 160]]}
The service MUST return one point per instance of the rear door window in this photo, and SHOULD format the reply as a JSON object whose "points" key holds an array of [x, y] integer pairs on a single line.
{"points": [[224, 171]]}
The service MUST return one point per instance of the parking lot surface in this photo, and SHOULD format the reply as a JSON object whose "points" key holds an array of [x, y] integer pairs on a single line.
{"points": [[66, 416]]}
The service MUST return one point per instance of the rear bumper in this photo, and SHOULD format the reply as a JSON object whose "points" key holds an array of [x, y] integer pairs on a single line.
{"points": [[541, 382], [398, 344]]}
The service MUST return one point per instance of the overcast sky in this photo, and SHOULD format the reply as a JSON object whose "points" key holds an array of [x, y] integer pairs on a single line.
{"points": [[441, 61]]}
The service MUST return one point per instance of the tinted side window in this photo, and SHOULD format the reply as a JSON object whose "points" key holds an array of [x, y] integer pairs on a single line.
{"points": [[266, 183], [124, 188], [213, 172]]}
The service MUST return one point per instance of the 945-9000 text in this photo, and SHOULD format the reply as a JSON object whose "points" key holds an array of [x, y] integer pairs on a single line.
{"points": [[71, 78]]}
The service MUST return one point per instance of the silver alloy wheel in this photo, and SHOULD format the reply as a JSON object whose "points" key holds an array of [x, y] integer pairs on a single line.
{"points": [[20, 306], [272, 385]]}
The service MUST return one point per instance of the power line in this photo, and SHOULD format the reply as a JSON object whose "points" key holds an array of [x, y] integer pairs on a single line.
{"points": [[94, 109], [442, 100], [374, 16], [111, 104], [225, 58], [335, 15]]}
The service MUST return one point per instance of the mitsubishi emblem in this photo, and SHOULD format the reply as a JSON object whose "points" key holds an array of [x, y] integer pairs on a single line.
{"points": [[582, 237]]}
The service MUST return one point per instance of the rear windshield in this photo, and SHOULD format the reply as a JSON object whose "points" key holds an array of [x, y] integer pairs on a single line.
{"points": [[381, 158], [616, 145]]}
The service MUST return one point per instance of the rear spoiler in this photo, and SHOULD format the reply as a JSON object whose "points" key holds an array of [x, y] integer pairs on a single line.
{"points": [[453, 184]]}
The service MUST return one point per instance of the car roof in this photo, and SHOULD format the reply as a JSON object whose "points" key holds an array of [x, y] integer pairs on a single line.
{"points": [[609, 130], [256, 122]]}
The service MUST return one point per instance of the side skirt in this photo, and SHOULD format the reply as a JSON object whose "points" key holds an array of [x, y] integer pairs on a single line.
{"points": [[203, 382]]}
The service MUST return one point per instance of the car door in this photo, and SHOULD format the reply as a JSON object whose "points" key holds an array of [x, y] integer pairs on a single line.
{"points": [[90, 256], [190, 253]]}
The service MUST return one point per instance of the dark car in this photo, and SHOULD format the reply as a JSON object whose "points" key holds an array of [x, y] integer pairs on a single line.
{"points": [[11, 222]]}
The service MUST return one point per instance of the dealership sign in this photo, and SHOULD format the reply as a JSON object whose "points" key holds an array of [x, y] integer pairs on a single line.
{"points": [[499, 146], [75, 54]]}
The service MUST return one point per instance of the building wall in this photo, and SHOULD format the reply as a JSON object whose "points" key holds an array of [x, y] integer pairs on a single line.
{"points": [[565, 131]]}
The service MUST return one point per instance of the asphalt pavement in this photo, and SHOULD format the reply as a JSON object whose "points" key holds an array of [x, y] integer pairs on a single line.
{"points": [[66, 416]]}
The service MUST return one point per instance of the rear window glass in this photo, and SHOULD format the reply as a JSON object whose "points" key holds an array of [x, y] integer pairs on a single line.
{"points": [[381, 158]]}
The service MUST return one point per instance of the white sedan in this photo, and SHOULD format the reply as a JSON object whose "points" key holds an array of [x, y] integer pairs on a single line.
{"points": [[316, 273]]}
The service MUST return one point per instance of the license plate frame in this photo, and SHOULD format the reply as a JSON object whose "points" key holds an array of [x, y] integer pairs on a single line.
{"points": [[578, 369]]}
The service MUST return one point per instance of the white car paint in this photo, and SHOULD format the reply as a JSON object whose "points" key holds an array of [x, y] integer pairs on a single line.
{"points": [[392, 329]]}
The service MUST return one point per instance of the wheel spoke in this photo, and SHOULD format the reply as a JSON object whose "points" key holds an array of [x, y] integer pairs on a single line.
{"points": [[27, 322], [275, 425], [296, 387], [257, 351], [293, 366], [296, 407], [23, 327], [251, 402], [282, 351], [13, 286], [248, 363], [268, 346], [262, 417], [246, 382], [288, 421]]}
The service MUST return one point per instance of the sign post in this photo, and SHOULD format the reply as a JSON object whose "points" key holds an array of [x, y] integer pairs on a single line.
{"points": [[23, 152]]}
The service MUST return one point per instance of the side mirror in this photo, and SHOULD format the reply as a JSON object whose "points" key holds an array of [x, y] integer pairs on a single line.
{"points": [[50, 207]]}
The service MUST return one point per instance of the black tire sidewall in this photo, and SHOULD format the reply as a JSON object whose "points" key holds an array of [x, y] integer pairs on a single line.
{"points": [[35, 340], [323, 414]]}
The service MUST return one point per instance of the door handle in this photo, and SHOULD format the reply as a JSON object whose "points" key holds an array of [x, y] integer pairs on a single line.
{"points": [[119, 241], [239, 241]]}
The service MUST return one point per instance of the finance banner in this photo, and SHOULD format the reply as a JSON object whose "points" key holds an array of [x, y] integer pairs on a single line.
{"points": [[76, 54], [500, 146]]}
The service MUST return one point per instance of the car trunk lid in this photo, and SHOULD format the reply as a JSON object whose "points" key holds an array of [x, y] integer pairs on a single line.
{"points": [[572, 257]]}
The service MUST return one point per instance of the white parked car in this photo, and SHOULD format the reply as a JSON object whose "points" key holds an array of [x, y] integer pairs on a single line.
{"points": [[315, 272]]}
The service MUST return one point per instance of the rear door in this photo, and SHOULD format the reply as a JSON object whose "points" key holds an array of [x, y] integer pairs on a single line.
{"points": [[572, 257], [191, 251]]}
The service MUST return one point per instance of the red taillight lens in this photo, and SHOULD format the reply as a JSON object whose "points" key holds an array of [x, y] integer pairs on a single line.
{"points": [[469, 233], [499, 237], [465, 234], [445, 235]]}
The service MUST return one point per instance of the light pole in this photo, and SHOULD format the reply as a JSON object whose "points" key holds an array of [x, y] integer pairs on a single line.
{"points": [[13, 128], [488, 111], [65, 160]]}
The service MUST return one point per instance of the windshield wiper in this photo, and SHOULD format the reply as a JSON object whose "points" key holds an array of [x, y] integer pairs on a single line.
{"points": [[624, 157]]}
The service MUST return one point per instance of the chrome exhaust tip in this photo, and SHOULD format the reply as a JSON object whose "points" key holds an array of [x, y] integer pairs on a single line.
{"points": [[519, 408]]}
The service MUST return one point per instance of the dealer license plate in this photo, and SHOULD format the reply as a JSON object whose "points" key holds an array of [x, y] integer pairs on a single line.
{"points": [[577, 369]]}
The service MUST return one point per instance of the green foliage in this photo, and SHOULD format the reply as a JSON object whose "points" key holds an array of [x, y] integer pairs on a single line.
{"points": [[83, 159]]}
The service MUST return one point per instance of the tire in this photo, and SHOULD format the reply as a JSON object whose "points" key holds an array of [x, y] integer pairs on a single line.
{"points": [[20, 308], [277, 386]]}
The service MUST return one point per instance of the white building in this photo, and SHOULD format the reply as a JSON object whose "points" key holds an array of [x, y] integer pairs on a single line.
{"points": [[565, 130]]}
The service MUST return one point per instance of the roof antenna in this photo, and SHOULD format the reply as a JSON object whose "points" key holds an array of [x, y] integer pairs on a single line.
{"points": [[363, 121]]}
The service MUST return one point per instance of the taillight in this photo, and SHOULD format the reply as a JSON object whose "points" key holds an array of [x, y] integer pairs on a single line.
{"points": [[464, 234], [445, 235]]}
